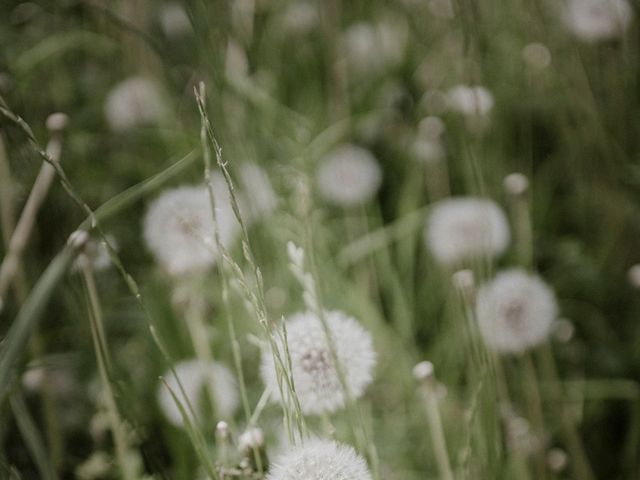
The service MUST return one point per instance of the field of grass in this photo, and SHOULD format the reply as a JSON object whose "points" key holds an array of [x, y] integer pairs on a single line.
{"points": [[320, 240]]}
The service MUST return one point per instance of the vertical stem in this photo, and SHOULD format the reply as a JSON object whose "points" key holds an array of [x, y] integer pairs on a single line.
{"points": [[11, 263], [55, 440], [435, 429], [115, 421], [534, 404], [336, 68], [582, 468]]}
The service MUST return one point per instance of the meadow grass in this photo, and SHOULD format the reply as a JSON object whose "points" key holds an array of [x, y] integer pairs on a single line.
{"points": [[284, 85]]}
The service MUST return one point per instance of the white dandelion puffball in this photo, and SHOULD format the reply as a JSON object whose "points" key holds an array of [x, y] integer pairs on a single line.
{"points": [[261, 199], [463, 228], [317, 383], [515, 311], [174, 20], [320, 460], [300, 18], [370, 49], [133, 102], [594, 20], [349, 176], [427, 151], [470, 100], [197, 380], [178, 227]]}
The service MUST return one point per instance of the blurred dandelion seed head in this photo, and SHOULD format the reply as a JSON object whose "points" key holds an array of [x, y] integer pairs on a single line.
{"points": [[134, 102], [634, 276], [250, 439], [174, 20], [516, 184], [515, 311], [316, 380], [197, 379], [464, 228], [261, 199], [470, 100], [320, 460], [179, 229], [349, 176], [424, 371], [372, 48], [300, 18], [597, 20], [536, 55]]}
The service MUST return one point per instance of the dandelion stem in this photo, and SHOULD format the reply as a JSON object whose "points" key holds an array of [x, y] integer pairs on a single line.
{"points": [[115, 421], [429, 395], [534, 404], [580, 462], [11, 263]]}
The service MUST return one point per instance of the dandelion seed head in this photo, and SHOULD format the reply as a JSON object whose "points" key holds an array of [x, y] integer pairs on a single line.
{"points": [[316, 380], [372, 48], [57, 122], [596, 20], [563, 330], [516, 184], [250, 439], [174, 20], [463, 228], [349, 176], [197, 379], [261, 199], [133, 102], [423, 371], [178, 227], [320, 460], [536, 55], [431, 127], [634, 276], [427, 151], [557, 460], [470, 100], [300, 18], [97, 253], [515, 311]]}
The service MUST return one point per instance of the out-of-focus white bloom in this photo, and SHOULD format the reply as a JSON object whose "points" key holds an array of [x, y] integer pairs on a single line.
{"points": [[463, 228], [236, 63], [250, 439], [133, 102], [96, 252], [424, 371], [536, 55], [431, 127], [434, 102], [349, 176], [320, 460], [300, 17], [370, 49], [515, 311], [54, 379], [316, 380], [174, 20], [261, 200], [634, 275], [516, 184], [557, 460], [197, 380], [427, 150], [595, 20], [178, 227], [470, 100]]}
